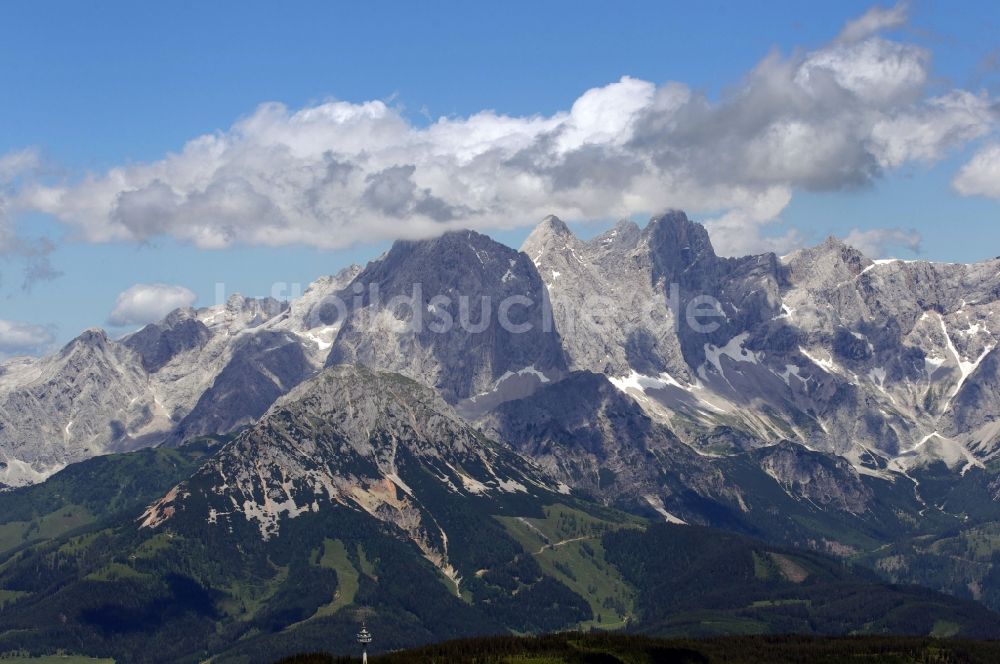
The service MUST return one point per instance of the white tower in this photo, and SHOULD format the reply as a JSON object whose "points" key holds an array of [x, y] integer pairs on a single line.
{"points": [[364, 638]]}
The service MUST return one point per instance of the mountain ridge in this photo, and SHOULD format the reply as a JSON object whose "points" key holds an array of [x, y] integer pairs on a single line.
{"points": [[820, 399], [836, 371]]}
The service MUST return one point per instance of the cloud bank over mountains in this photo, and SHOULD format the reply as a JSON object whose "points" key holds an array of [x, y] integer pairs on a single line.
{"points": [[340, 173]]}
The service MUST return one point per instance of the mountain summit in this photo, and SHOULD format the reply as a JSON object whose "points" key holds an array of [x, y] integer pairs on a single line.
{"points": [[350, 438], [451, 337]]}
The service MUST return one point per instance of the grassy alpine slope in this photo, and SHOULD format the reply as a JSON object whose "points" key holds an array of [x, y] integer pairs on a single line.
{"points": [[171, 597]]}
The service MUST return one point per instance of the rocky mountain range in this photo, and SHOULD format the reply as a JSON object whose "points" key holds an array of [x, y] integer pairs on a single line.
{"points": [[886, 363], [819, 399], [197, 372], [638, 367], [889, 364], [881, 362]]}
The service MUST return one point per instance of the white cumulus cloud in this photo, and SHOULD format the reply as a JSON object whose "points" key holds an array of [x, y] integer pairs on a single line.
{"points": [[148, 303], [23, 338], [981, 175], [339, 173], [874, 20]]}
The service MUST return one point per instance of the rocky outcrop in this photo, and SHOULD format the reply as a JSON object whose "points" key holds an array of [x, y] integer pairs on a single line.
{"points": [[611, 315], [827, 482], [263, 366], [588, 434], [159, 343]]}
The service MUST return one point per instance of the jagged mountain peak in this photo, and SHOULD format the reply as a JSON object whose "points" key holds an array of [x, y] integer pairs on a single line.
{"points": [[455, 252], [86, 399], [623, 236], [369, 393], [263, 307], [836, 243], [625, 225], [93, 336], [831, 246], [551, 235], [180, 314], [91, 343], [677, 240], [338, 280], [461, 260], [462, 237], [831, 262], [158, 343], [463, 278], [554, 224]]}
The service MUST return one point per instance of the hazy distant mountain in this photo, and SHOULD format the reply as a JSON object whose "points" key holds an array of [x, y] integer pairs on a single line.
{"points": [[196, 372]]}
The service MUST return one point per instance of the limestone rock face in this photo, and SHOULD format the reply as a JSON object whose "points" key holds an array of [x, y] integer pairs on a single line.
{"points": [[463, 285], [89, 398], [846, 355], [610, 312], [588, 434]]}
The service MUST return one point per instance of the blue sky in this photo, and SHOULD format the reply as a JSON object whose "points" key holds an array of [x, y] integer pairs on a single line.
{"points": [[92, 87]]}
